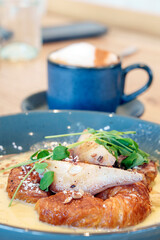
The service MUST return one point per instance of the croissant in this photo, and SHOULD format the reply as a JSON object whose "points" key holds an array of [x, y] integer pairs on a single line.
{"points": [[126, 206], [116, 207]]}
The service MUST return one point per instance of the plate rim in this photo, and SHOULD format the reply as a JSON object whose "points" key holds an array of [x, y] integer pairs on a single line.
{"points": [[55, 111]]}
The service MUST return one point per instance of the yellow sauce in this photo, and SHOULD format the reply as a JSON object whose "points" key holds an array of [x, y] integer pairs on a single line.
{"points": [[23, 215]]}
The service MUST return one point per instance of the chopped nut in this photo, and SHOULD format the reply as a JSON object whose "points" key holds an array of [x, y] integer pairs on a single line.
{"points": [[77, 195], [81, 191], [68, 200]]}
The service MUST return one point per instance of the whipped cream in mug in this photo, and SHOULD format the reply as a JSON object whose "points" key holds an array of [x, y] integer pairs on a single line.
{"points": [[83, 55]]}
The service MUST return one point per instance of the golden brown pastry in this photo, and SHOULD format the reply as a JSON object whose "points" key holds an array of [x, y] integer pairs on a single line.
{"points": [[29, 191], [149, 170], [126, 206]]}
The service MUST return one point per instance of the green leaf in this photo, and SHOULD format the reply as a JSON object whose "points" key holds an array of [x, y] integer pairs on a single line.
{"points": [[123, 149], [118, 145], [138, 161], [128, 162], [47, 180], [113, 151], [135, 159], [34, 156], [40, 167], [124, 152], [100, 142], [60, 152], [144, 154], [128, 142], [42, 154], [39, 154]]}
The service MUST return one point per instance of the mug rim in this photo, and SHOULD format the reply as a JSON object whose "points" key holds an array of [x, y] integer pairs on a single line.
{"points": [[69, 66]]}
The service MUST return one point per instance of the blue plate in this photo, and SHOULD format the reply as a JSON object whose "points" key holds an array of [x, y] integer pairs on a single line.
{"points": [[17, 128]]}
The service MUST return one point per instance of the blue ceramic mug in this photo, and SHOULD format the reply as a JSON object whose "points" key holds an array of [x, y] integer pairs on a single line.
{"points": [[94, 88]]}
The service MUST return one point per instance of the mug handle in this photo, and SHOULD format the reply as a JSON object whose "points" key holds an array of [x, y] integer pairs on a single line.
{"points": [[127, 98]]}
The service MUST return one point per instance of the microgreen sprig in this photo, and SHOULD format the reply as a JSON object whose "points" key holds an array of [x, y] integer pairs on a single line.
{"points": [[115, 143]]}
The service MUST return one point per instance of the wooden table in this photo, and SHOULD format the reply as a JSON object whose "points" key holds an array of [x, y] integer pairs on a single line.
{"points": [[18, 80]]}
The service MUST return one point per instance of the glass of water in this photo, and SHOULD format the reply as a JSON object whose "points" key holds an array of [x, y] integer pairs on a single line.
{"points": [[20, 32]]}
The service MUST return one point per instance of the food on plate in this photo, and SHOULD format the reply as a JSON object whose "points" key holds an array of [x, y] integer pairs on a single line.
{"points": [[88, 177], [29, 190], [150, 172], [125, 206], [68, 176], [92, 152], [70, 186]]}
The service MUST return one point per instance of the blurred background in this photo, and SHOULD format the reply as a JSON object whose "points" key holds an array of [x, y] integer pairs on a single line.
{"points": [[129, 24], [140, 15], [138, 5]]}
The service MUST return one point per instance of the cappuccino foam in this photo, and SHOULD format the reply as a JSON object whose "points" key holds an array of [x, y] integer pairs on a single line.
{"points": [[83, 55]]}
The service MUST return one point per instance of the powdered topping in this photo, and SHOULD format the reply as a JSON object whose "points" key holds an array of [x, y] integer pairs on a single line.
{"points": [[30, 184]]}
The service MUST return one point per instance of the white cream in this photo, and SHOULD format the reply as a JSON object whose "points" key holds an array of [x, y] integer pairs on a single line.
{"points": [[78, 54], [82, 54]]}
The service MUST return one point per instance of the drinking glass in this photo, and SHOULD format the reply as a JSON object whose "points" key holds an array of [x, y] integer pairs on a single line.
{"points": [[20, 33]]}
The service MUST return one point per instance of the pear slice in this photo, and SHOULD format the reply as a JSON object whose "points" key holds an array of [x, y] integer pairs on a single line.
{"points": [[92, 152], [88, 177]]}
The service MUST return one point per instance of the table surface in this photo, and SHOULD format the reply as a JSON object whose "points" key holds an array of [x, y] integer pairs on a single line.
{"points": [[19, 80]]}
